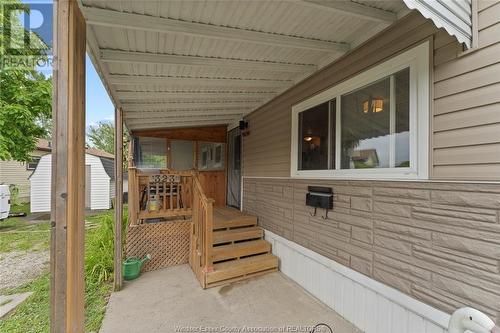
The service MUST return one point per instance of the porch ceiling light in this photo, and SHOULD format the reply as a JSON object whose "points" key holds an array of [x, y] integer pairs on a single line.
{"points": [[376, 105]]}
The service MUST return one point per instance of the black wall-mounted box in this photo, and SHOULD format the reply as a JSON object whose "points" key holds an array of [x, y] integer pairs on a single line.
{"points": [[319, 197]]}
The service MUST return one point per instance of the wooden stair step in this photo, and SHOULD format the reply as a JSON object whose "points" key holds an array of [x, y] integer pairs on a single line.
{"points": [[230, 218], [240, 234], [238, 250], [237, 269]]}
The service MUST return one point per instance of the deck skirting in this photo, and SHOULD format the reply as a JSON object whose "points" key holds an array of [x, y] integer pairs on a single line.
{"points": [[166, 242], [368, 304]]}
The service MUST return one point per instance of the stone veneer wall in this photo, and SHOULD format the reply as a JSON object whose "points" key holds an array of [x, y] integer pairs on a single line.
{"points": [[437, 242]]}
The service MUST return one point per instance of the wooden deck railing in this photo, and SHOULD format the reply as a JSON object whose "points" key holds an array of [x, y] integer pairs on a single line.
{"points": [[200, 258], [160, 195], [171, 194]]}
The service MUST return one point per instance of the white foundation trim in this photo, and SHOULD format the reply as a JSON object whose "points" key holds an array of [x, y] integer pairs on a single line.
{"points": [[368, 304]]}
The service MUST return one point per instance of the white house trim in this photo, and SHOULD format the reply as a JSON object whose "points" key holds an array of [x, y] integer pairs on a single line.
{"points": [[181, 113], [170, 80], [141, 107], [417, 59], [454, 16], [182, 123], [188, 96], [110, 18], [368, 304], [355, 9], [189, 60]]}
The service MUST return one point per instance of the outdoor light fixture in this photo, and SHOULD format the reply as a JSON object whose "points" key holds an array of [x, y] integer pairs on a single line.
{"points": [[376, 105]]}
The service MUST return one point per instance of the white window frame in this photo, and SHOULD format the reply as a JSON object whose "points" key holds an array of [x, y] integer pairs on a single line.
{"points": [[417, 59]]}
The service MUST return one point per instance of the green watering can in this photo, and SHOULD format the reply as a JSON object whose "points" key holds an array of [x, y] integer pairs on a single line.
{"points": [[132, 267]]}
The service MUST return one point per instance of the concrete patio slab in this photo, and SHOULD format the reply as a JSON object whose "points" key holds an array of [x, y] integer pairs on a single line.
{"points": [[171, 300]]}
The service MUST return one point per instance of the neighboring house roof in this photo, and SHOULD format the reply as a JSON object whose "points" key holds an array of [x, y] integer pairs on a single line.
{"points": [[44, 144], [109, 166], [99, 153]]}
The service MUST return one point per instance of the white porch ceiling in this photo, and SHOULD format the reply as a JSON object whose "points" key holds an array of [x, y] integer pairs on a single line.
{"points": [[195, 63]]}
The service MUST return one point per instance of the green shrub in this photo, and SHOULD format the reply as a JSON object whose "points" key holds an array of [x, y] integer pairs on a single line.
{"points": [[99, 252]]}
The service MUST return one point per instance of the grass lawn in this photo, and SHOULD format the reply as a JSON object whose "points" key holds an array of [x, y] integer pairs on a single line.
{"points": [[33, 315], [17, 234], [20, 235]]}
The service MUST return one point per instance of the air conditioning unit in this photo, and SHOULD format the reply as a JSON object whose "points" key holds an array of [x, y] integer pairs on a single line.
{"points": [[4, 201]]}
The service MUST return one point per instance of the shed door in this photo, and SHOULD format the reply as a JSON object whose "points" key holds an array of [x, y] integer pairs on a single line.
{"points": [[88, 188]]}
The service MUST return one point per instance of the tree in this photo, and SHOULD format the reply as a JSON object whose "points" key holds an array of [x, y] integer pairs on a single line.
{"points": [[25, 94], [102, 136]]}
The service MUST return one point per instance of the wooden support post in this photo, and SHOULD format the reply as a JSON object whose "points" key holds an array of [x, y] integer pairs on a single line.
{"points": [[118, 198], [68, 170], [133, 196]]}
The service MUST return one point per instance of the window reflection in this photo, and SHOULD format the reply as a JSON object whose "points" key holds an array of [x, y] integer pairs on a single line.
{"points": [[373, 135], [365, 127], [313, 138]]}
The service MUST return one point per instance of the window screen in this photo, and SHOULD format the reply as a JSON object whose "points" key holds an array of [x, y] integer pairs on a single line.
{"points": [[151, 153], [182, 155]]}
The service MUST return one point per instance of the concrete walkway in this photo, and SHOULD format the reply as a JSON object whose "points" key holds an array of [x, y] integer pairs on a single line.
{"points": [[171, 300]]}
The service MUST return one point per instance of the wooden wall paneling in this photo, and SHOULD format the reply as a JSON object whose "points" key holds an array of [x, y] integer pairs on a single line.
{"points": [[213, 184], [210, 134], [169, 154]]}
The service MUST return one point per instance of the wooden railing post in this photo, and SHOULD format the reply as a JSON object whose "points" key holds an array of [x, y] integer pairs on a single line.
{"points": [[202, 232], [134, 196], [209, 226]]}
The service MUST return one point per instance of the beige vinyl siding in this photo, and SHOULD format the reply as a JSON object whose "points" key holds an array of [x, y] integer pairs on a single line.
{"points": [[466, 121], [266, 151], [13, 172], [465, 106]]}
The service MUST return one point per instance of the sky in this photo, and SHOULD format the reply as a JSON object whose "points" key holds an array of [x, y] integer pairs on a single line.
{"points": [[98, 104]]}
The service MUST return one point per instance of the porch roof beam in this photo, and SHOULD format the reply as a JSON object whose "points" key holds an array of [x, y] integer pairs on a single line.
{"points": [[110, 18], [354, 9], [187, 113], [116, 56], [187, 106], [190, 123], [176, 119], [169, 80], [223, 119], [193, 95]]}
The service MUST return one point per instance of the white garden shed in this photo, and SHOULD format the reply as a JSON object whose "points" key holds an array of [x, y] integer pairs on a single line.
{"points": [[99, 174]]}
